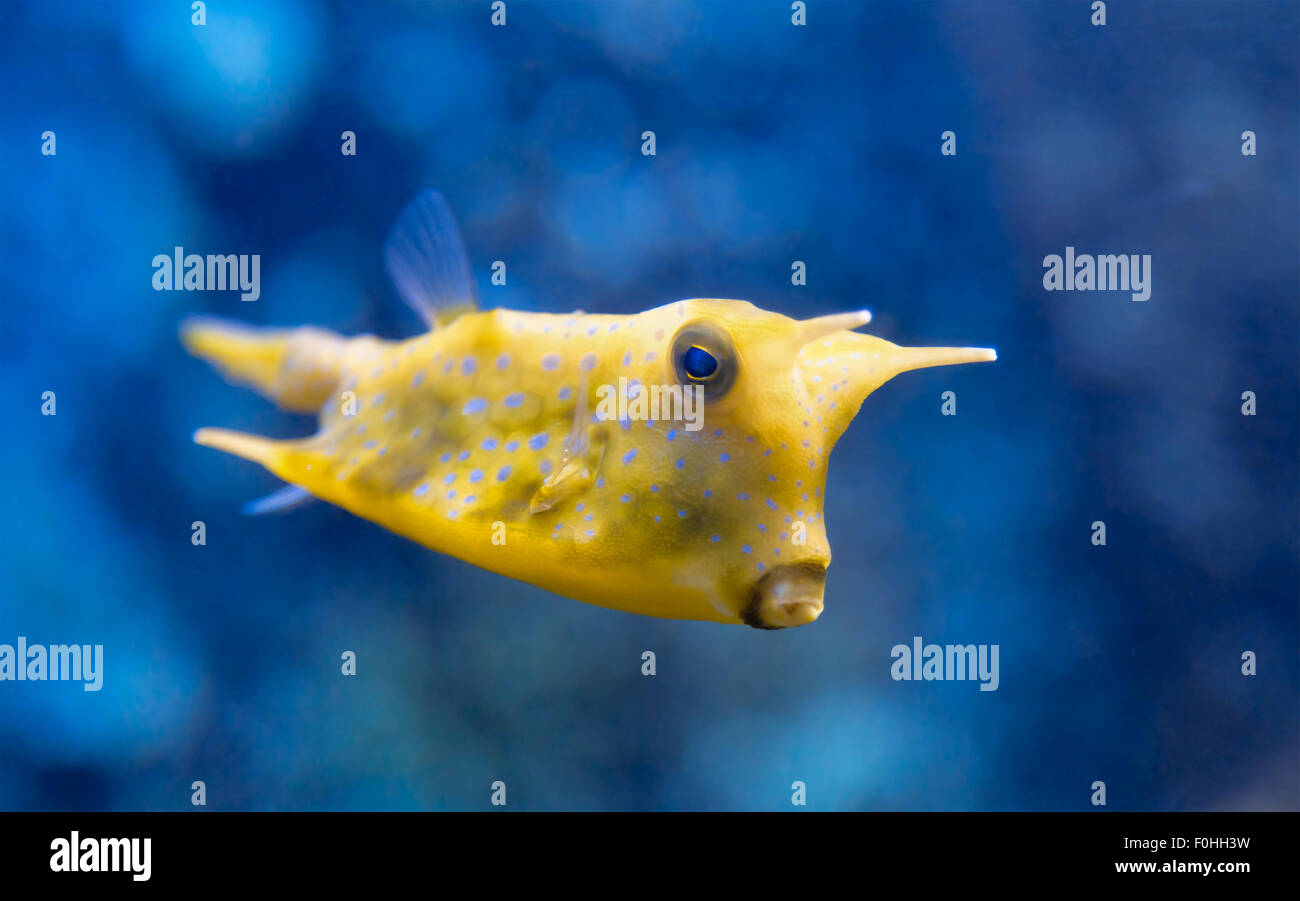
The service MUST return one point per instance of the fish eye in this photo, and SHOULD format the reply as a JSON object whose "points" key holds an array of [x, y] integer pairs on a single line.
{"points": [[700, 365], [702, 354]]}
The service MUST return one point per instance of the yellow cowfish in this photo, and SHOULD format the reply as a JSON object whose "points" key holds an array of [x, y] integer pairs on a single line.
{"points": [[669, 463]]}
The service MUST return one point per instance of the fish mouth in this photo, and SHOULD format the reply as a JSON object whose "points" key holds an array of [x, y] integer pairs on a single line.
{"points": [[786, 597]]}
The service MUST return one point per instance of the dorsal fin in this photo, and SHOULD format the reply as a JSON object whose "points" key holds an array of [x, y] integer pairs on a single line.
{"points": [[426, 260]]}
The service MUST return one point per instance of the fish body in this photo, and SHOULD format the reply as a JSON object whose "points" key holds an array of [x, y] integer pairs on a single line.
{"points": [[672, 462]]}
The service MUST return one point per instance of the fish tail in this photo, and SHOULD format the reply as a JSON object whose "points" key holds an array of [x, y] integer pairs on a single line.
{"points": [[296, 368]]}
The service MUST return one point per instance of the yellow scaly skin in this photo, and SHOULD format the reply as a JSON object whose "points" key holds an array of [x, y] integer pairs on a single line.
{"points": [[449, 438]]}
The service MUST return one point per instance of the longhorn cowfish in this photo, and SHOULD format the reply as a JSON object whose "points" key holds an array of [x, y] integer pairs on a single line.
{"points": [[670, 463]]}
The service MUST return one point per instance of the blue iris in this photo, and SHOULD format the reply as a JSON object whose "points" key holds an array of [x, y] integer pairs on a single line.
{"points": [[699, 363]]}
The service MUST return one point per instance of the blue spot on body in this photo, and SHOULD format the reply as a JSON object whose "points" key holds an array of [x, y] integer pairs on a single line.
{"points": [[372, 443], [503, 473], [503, 361], [468, 366], [419, 377], [742, 497], [746, 549], [681, 514], [489, 444], [475, 405], [451, 477], [654, 488], [551, 362], [565, 393], [723, 458], [514, 399], [629, 456], [470, 499], [588, 517], [681, 464], [545, 467], [625, 498], [476, 475], [422, 490], [451, 495], [415, 433], [770, 505], [444, 458], [672, 433], [715, 538], [512, 446], [538, 441]]}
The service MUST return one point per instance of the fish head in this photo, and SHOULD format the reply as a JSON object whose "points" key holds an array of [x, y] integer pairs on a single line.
{"points": [[748, 481]]}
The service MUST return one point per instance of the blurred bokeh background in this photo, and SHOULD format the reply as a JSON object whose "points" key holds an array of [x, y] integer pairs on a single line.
{"points": [[775, 143]]}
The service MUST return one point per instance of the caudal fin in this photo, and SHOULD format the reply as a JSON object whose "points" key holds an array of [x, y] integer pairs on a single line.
{"points": [[297, 368]]}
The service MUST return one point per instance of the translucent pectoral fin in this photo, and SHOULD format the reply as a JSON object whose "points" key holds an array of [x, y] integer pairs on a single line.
{"points": [[579, 462], [566, 480]]}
